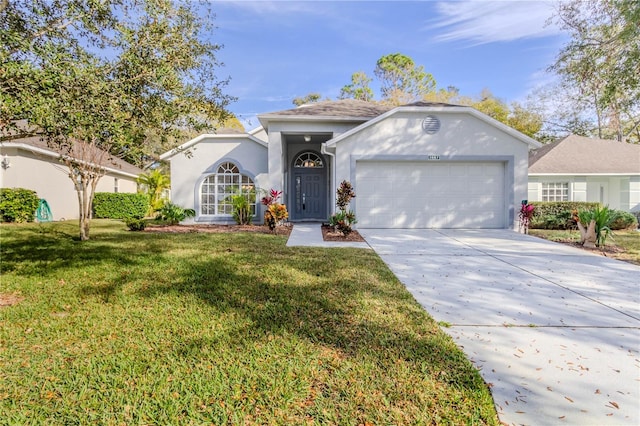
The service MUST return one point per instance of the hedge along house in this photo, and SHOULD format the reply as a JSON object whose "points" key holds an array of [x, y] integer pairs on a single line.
{"points": [[422, 165], [27, 162], [578, 168]]}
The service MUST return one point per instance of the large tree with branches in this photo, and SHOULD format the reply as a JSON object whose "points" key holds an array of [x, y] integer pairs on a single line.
{"points": [[601, 62], [122, 77]]}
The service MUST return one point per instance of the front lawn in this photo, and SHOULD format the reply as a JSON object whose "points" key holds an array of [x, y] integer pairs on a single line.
{"points": [[621, 245], [144, 328]]}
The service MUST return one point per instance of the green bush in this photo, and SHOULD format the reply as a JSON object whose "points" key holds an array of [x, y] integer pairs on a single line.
{"points": [[557, 214], [602, 216], [110, 205], [18, 205], [241, 204], [174, 214], [136, 224], [622, 220]]}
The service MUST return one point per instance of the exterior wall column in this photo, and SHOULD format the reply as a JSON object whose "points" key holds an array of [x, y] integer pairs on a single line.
{"points": [[276, 175]]}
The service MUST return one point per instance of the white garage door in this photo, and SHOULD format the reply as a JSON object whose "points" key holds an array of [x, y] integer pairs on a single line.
{"points": [[430, 194]]}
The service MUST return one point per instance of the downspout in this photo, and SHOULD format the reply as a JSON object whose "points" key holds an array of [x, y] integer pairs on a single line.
{"points": [[323, 150]]}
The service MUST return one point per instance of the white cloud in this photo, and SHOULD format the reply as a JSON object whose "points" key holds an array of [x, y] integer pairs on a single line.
{"points": [[481, 22]]}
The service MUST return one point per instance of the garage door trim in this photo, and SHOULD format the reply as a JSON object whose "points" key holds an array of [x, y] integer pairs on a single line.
{"points": [[508, 161]]}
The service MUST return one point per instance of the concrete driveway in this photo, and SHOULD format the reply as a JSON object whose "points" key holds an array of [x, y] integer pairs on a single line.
{"points": [[554, 330]]}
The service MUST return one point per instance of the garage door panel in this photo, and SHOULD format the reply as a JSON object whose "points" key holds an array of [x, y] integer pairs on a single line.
{"points": [[430, 195]]}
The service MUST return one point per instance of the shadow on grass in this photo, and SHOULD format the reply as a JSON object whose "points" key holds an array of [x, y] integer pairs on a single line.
{"points": [[345, 299], [301, 295], [33, 251]]}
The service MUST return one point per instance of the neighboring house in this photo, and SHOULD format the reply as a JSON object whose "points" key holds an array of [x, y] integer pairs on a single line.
{"points": [[28, 163], [578, 168], [422, 165]]}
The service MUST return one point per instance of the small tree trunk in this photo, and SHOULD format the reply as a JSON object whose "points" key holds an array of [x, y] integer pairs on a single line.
{"points": [[588, 235]]}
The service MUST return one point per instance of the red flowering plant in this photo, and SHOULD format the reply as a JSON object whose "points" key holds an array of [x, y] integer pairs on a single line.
{"points": [[343, 219], [526, 213], [276, 213]]}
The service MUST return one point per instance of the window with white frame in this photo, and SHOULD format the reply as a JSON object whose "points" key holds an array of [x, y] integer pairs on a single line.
{"points": [[555, 191], [217, 189], [115, 185], [308, 159]]}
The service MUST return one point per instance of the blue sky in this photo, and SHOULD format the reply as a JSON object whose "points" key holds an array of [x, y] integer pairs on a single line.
{"points": [[277, 50]]}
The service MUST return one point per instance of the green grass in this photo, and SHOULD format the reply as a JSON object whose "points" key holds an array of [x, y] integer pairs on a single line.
{"points": [[143, 328], [621, 245]]}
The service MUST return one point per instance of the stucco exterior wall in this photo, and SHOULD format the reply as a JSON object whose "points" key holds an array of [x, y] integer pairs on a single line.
{"points": [[187, 173], [461, 136], [50, 180], [618, 192]]}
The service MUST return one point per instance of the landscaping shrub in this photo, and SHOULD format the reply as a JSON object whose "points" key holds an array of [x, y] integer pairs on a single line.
{"points": [[174, 214], [109, 205], [18, 205], [557, 214], [241, 204], [623, 220], [343, 219], [602, 218], [276, 213], [136, 224]]}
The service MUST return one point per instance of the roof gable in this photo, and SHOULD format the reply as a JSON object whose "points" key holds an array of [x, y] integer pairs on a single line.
{"points": [[581, 155], [218, 137], [429, 107]]}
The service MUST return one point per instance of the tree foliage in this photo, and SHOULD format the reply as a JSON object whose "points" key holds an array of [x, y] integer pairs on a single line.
{"points": [[359, 88], [153, 184], [601, 61], [98, 77], [308, 99], [401, 80]]}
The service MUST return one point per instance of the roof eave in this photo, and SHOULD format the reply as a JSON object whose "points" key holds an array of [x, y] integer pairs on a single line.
{"points": [[56, 155], [265, 119]]}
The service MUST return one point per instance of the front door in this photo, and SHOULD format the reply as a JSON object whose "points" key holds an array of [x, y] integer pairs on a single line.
{"points": [[309, 187], [310, 194]]}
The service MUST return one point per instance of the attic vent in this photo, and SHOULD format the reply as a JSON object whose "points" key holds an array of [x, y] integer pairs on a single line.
{"points": [[430, 124]]}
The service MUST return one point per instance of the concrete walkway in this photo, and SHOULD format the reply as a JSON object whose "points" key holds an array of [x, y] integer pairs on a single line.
{"points": [[554, 330], [309, 234]]}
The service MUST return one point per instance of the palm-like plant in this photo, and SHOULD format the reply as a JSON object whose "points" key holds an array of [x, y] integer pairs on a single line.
{"points": [[601, 218], [154, 183]]}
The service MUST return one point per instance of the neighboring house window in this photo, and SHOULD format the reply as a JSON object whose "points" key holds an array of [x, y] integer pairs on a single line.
{"points": [[555, 191], [115, 184], [308, 159], [217, 189]]}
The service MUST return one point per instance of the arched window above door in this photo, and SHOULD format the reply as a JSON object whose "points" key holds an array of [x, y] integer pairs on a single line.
{"points": [[308, 160]]}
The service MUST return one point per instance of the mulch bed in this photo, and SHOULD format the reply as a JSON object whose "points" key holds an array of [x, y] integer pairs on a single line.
{"points": [[329, 234], [217, 229]]}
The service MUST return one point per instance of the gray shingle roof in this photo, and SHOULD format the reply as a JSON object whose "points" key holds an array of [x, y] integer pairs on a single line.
{"points": [[582, 155], [345, 108]]}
